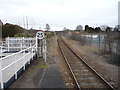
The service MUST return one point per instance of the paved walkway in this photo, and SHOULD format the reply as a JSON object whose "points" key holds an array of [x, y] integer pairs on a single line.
{"points": [[52, 77], [39, 75]]}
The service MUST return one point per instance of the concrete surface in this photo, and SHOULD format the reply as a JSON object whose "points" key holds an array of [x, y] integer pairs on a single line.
{"points": [[47, 76]]}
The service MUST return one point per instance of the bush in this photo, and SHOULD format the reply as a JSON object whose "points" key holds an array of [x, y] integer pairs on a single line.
{"points": [[22, 35], [11, 30]]}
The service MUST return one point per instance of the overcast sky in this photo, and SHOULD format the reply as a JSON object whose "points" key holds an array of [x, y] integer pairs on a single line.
{"points": [[59, 13]]}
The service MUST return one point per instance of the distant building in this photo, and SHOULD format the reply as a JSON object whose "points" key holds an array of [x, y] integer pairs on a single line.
{"points": [[69, 33], [1, 23]]}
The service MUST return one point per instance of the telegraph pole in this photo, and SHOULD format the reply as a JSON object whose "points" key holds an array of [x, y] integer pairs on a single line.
{"points": [[27, 22]]}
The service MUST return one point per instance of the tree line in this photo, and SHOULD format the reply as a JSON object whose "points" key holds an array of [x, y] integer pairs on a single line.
{"points": [[88, 29], [13, 31], [98, 29]]}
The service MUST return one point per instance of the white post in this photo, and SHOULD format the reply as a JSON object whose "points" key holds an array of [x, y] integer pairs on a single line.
{"points": [[41, 47], [1, 77], [36, 43], [21, 46], [23, 61], [45, 54], [15, 69], [32, 52], [29, 56], [35, 49], [1, 51], [45, 51], [23, 42]]}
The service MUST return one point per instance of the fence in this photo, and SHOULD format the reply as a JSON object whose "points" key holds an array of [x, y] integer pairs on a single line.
{"points": [[11, 64], [18, 43]]}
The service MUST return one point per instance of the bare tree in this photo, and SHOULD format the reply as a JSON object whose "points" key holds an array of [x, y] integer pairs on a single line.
{"points": [[108, 38], [27, 22], [47, 27], [79, 27], [64, 28]]}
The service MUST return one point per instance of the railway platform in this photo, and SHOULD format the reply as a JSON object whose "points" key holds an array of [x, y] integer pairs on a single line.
{"points": [[38, 75]]}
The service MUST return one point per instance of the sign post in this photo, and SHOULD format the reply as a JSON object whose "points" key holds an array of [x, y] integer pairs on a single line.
{"points": [[41, 36]]}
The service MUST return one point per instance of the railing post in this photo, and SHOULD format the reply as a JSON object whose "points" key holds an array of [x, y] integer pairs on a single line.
{"points": [[15, 69], [23, 42], [1, 51], [23, 61], [21, 46], [35, 50], [28, 59], [45, 51], [36, 45], [1, 76], [32, 53]]}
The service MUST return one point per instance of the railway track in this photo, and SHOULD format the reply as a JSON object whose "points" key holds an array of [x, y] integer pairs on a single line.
{"points": [[84, 76]]}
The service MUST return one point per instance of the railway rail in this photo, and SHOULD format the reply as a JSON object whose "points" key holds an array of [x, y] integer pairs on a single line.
{"points": [[84, 75]]}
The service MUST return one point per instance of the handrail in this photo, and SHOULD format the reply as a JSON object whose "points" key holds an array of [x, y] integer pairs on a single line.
{"points": [[14, 62], [17, 52], [29, 46]]}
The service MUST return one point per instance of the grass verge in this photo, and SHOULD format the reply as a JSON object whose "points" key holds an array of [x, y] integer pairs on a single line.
{"points": [[33, 69]]}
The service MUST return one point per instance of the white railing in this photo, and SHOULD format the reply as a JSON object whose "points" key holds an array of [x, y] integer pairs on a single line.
{"points": [[11, 64], [0, 51], [18, 43]]}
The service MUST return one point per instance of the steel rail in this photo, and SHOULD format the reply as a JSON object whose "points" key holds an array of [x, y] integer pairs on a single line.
{"points": [[75, 79], [105, 81]]}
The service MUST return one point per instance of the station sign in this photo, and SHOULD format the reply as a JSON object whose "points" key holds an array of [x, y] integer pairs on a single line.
{"points": [[40, 35]]}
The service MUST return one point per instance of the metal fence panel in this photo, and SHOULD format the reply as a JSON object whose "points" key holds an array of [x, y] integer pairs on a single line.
{"points": [[11, 64]]}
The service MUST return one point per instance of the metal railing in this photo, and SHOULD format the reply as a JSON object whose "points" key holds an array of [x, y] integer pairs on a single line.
{"points": [[11, 64]]}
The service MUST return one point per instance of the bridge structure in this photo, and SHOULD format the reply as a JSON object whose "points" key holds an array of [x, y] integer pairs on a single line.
{"points": [[15, 54]]}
